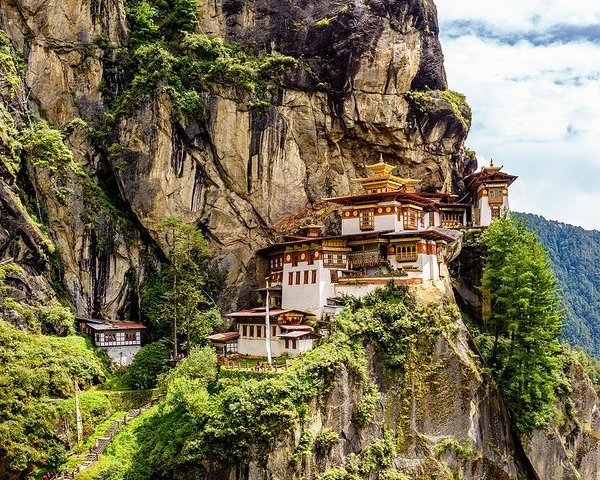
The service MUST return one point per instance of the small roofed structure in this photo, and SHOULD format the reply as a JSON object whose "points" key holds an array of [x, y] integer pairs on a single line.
{"points": [[290, 334], [489, 193], [225, 344], [121, 340]]}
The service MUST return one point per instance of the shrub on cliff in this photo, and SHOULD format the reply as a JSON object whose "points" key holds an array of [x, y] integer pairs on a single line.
{"points": [[207, 421]]}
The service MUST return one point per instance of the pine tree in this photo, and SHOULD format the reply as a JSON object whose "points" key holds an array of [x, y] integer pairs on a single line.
{"points": [[185, 303], [525, 320]]}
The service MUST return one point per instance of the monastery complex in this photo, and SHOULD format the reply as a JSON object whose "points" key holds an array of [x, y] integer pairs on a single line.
{"points": [[390, 232]]}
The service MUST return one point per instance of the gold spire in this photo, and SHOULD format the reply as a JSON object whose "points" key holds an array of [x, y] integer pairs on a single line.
{"points": [[381, 179], [491, 168]]}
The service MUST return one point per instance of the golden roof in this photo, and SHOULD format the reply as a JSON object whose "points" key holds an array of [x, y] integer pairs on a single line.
{"points": [[381, 173], [491, 168]]}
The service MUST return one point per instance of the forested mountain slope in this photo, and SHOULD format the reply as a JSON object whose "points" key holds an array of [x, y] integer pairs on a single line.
{"points": [[574, 252]]}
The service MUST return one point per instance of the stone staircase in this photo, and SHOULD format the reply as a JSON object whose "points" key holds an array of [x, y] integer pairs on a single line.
{"points": [[102, 443]]}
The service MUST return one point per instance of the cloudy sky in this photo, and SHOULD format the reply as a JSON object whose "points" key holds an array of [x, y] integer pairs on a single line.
{"points": [[531, 73]]}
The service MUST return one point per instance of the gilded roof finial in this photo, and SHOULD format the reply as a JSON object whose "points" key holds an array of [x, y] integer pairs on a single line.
{"points": [[491, 162]]}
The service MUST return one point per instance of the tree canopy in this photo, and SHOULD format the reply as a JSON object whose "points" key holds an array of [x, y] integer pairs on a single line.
{"points": [[523, 316], [180, 295], [575, 260]]}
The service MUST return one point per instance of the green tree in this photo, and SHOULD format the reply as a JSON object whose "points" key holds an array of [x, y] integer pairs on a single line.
{"points": [[184, 303], [524, 318], [147, 365]]}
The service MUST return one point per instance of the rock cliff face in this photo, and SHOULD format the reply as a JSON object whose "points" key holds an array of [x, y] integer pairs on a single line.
{"points": [[238, 172], [441, 412], [370, 81]]}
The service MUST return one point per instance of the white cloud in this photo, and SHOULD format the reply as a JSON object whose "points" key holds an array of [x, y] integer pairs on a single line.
{"points": [[511, 15], [536, 108]]}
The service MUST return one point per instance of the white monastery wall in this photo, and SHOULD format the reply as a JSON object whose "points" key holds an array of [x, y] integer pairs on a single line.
{"points": [[122, 355]]}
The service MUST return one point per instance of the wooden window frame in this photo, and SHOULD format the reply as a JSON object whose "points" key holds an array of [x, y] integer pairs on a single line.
{"points": [[131, 337], [313, 277], [305, 277], [366, 219], [407, 252], [290, 278], [298, 277], [410, 218], [495, 195]]}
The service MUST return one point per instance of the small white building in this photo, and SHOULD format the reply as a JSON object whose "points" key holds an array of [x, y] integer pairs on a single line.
{"points": [[489, 193], [121, 340], [290, 334]]}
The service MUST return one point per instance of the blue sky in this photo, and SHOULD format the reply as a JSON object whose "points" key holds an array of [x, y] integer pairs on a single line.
{"points": [[531, 73]]}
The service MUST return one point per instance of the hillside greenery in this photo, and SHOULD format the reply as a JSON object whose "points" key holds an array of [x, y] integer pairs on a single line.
{"points": [[576, 262], [37, 383], [167, 55], [208, 420]]}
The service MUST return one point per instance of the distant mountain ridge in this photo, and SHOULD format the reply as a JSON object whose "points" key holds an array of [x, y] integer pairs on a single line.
{"points": [[575, 253]]}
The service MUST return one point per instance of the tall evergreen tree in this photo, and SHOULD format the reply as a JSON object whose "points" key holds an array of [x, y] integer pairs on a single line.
{"points": [[183, 301], [525, 319]]}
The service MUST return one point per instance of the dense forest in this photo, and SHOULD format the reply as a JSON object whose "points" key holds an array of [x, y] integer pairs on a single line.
{"points": [[574, 253]]}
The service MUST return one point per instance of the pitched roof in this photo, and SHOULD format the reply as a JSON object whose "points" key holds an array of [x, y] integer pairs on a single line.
{"points": [[261, 312], [224, 337], [114, 325], [379, 197]]}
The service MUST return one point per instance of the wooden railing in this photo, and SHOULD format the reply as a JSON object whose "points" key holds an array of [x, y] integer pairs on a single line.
{"points": [[366, 259]]}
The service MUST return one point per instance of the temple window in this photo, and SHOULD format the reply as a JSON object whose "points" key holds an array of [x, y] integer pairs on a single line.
{"points": [[366, 219], [311, 258], [130, 336], [495, 212], [273, 331], [406, 252], [244, 330], [110, 337], [291, 278], [258, 331], [297, 278], [251, 331], [294, 259], [411, 218], [431, 219], [452, 219], [495, 195], [333, 276], [314, 276], [306, 277]]}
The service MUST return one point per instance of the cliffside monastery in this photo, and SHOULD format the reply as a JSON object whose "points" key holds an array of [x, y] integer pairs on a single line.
{"points": [[391, 232]]}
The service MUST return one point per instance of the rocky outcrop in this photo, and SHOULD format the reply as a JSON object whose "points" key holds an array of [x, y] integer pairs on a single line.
{"points": [[241, 171], [441, 412], [570, 449]]}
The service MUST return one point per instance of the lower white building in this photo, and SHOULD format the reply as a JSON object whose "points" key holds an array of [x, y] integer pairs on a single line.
{"points": [[121, 340], [289, 333]]}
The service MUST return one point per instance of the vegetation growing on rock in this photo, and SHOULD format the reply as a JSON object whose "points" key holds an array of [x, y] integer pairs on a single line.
{"points": [[36, 381], [208, 421]]}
